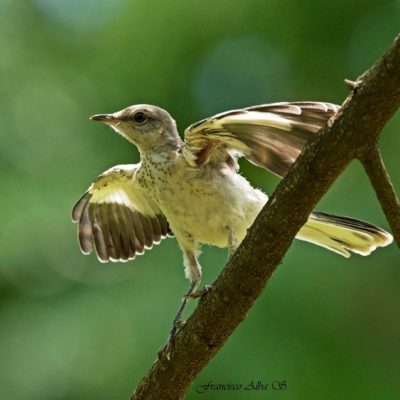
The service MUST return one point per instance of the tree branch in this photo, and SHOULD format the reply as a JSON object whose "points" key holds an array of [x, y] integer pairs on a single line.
{"points": [[355, 127], [380, 180]]}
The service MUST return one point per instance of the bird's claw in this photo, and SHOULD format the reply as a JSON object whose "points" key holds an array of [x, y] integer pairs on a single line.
{"points": [[178, 323], [200, 293], [166, 350]]}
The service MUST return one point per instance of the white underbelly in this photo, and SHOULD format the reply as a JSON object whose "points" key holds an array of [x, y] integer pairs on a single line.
{"points": [[206, 209]]}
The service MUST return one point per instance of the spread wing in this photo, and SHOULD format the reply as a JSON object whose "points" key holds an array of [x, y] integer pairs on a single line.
{"points": [[116, 218], [270, 135]]}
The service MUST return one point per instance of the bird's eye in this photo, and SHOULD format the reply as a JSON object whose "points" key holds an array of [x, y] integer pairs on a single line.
{"points": [[140, 117]]}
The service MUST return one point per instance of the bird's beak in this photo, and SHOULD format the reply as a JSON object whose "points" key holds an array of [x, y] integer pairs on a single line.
{"points": [[107, 118]]}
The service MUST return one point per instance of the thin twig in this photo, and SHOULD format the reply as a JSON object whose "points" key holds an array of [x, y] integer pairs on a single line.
{"points": [[380, 180], [352, 85]]}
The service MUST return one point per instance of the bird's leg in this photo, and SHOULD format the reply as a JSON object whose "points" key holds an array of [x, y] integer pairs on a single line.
{"points": [[232, 242], [201, 292], [177, 322], [193, 273], [193, 270]]}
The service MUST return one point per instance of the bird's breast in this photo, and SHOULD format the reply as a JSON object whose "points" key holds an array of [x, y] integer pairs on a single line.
{"points": [[204, 203]]}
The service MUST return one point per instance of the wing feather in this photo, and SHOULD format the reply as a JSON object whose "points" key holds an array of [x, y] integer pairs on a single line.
{"points": [[116, 218], [100, 236], [270, 135], [156, 230], [137, 224], [147, 230], [85, 232]]}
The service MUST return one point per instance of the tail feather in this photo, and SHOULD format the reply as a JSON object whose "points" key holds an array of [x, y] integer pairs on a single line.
{"points": [[343, 235]]}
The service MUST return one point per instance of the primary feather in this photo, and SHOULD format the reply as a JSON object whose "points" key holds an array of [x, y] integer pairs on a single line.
{"points": [[116, 218], [270, 135]]}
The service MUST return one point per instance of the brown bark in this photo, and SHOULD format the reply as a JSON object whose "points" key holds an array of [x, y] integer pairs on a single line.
{"points": [[354, 130], [380, 180]]}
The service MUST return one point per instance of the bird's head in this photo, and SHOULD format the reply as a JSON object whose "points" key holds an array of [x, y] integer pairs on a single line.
{"points": [[148, 127]]}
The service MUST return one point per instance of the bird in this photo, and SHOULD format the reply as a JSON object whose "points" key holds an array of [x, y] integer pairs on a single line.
{"points": [[191, 188]]}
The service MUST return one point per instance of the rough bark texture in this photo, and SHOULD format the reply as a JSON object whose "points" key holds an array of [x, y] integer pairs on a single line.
{"points": [[354, 130]]}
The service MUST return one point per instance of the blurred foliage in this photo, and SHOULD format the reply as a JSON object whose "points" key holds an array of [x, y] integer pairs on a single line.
{"points": [[72, 328]]}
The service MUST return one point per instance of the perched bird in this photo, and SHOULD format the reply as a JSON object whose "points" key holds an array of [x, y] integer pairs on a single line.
{"points": [[191, 188]]}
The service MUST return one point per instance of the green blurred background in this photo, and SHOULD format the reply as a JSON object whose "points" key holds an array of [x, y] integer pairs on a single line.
{"points": [[72, 328]]}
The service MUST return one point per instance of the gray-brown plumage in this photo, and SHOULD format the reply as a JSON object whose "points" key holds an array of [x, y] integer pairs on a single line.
{"points": [[192, 187], [270, 136], [110, 225]]}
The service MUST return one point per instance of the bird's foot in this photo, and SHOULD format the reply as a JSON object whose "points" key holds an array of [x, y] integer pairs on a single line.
{"points": [[166, 350], [200, 293], [177, 322]]}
